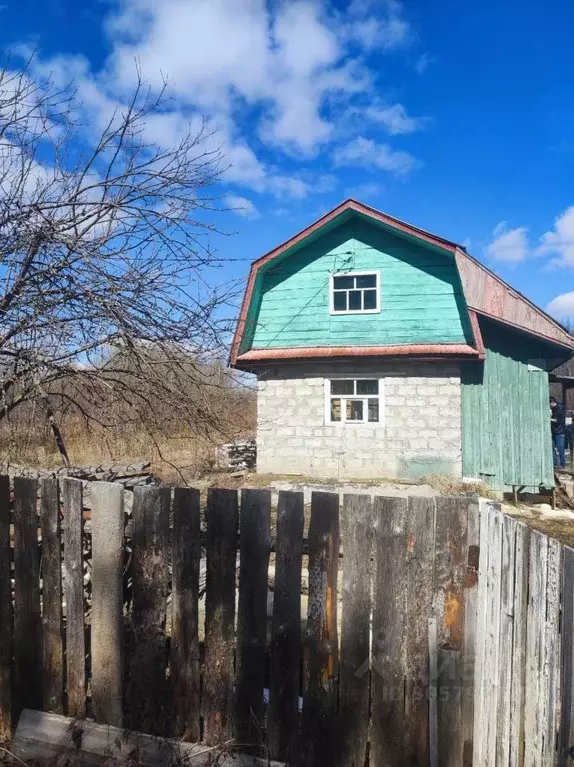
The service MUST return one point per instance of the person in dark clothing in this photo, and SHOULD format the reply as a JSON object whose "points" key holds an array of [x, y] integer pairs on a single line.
{"points": [[558, 427]]}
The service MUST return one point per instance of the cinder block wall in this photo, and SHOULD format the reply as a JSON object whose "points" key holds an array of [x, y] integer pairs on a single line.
{"points": [[421, 433]]}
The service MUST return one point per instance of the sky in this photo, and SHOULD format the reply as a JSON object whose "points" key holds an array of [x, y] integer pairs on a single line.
{"points": [[456, 117]]}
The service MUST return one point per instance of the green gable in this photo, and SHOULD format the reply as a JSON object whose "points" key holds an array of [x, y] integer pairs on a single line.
{"points": [[421, 299]]}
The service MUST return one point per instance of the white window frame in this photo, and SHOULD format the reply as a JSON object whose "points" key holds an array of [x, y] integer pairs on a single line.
{"points": [[364, 397], [377, 275]]}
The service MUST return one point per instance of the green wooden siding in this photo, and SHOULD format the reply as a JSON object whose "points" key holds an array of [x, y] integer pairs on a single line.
{"points": [[421, 296], [505, 412]]}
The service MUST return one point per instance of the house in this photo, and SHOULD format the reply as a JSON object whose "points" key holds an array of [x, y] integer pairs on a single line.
{"points": [[382, 350]]}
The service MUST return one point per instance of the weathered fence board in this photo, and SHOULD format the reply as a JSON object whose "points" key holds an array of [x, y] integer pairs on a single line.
{"points": [[470, 632], [389, 628], [51, 571], [147, 692], [354, 672], [222, 525], [286, 629], [506, 628], [567, 658], [551, 688], [320, 653], [185, 614], [254, 547], [420, 570], [520, 612], [6, 621], [107, 603], [492, 620], [27, 621], [74, 596]]}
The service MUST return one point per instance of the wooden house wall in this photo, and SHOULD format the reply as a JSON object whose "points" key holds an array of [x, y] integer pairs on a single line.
{"points": [[421, 294], [505, 412]]}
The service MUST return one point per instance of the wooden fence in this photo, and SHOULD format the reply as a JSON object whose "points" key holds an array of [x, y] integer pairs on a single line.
{"points": [[431, 634]]}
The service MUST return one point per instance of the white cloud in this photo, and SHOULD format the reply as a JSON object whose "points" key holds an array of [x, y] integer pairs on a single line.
{"points": [[369, 154], [562, 307], [508, 245], [395, 119], [242, 206], [559, 242], [279, 74], [379, 24]]}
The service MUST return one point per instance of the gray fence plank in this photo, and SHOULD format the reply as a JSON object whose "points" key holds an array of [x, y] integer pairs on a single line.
{"points": [[480, 722], [185, 616], [222, 524], [567, 658], [520, 611], [147, 703], [389, 630], [27, 620], [551, 652], [470, 632], [107, 646], [254, 545], [74, 596], [52, 628], [357, 533], [420, 570], [320, 653], [286, 631], [506, 629], [534, 716], [491, 659], [450, 574], [6, 618]]}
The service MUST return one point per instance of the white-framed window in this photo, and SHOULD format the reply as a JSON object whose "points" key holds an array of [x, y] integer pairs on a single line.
{"points": [[355, 293], [354, 400]]}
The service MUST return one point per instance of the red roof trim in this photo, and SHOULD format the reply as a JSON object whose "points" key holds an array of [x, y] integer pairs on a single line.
{"points": [[421, 351]]}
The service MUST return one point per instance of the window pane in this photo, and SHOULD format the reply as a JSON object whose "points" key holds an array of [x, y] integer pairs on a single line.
{"points": [[367, 387], [354, 409], [343, 283], [340, 301], [342, 387], [354, 300], [370, 299], [366, 281], [335, 410], [373, 410]]}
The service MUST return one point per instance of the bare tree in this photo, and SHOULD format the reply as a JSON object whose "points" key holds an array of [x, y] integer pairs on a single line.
{"points": [[103, 247]]}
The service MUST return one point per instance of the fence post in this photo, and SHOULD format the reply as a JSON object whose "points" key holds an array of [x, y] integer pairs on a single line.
{"points": [[107, 646]]}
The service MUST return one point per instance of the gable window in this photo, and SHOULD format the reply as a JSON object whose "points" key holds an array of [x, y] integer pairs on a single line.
{"points": [[353, 400], [355, 293]]}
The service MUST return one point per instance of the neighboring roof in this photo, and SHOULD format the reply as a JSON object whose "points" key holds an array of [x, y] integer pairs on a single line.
{"points": [[485, 292]]}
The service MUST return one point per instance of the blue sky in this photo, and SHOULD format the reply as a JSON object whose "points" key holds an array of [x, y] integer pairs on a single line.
{"points": [[457, 117]]}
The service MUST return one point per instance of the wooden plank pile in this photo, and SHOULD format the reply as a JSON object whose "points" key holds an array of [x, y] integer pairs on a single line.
{"points": [[237, 456]]}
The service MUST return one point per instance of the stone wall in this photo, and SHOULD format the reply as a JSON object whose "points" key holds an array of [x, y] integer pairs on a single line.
{"points": [[421, 433]]}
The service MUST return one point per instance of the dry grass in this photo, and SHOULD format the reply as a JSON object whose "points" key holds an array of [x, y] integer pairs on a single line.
{"points": [[448, 486]]}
